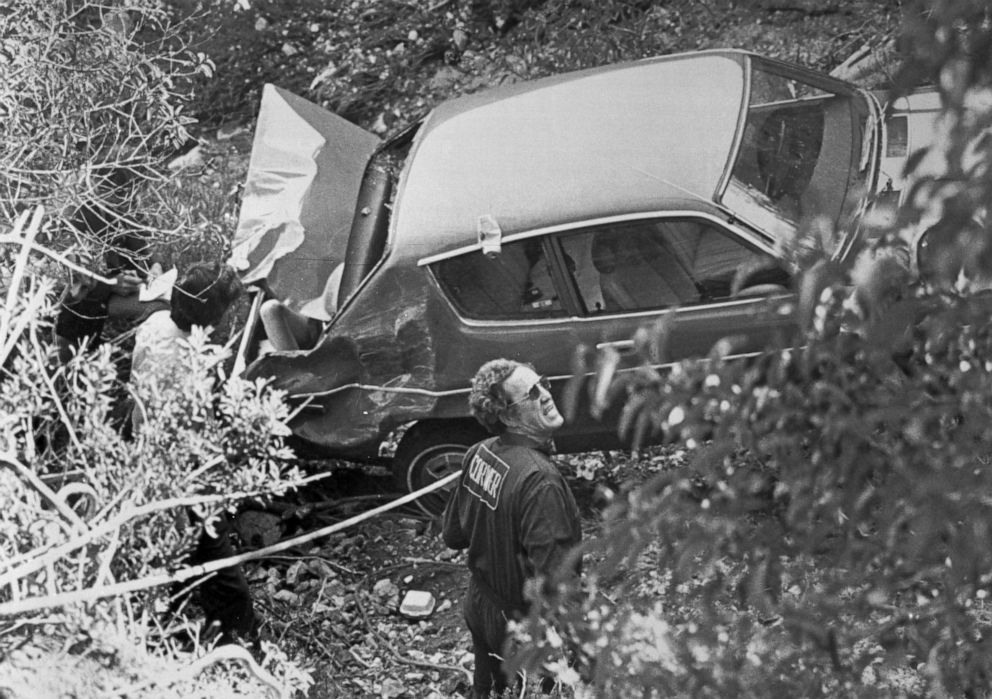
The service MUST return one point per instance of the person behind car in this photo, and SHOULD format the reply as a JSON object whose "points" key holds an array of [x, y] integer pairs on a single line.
{"points": [[109, 219], [200, 297], [84, 308], [105, 220], [638, 270], [287, 330], [511, 509], [605, 257]]}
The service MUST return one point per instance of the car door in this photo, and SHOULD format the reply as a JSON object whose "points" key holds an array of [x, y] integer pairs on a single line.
{"points": [[709, 280], [507, 305], [594, 285], [519, 304]]}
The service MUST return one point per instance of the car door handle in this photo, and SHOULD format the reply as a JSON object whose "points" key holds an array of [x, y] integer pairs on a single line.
{"points": [[618, 345]]}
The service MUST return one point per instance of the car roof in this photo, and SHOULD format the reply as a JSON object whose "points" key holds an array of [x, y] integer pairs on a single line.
{"points": [[643, 136]]}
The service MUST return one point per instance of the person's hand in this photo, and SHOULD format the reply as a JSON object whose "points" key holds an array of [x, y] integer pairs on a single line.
{"points": [[127, 284], [79, 286]]}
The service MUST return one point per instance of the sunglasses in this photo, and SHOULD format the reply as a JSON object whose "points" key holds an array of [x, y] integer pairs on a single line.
{"points": [[535, 391]]}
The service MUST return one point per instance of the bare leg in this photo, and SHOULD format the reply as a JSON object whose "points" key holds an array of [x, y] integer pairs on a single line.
{"points": [[287, 329]]}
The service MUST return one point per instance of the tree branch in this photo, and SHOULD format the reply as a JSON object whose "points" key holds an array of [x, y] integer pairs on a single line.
{"points": [[30, 245], [99, 530], [32, 604], [31, 477], [218, 654]]}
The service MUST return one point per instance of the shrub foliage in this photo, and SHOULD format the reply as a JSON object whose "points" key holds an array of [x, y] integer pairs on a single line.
{"points": [[92, 99], [92, 103], [85, 512], [830, 534]]}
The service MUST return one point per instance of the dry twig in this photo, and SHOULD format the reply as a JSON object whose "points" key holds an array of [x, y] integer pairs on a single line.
{"points": [[99, 530], [90, 594], [433, 562], [218, 654], [30, 477]]}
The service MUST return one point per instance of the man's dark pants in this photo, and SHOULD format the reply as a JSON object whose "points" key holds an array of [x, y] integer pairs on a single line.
{"points": [[487, 624], [224, 595]]}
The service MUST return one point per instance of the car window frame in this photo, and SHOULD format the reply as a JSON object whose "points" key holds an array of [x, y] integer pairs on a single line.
{"points": [[567, 301], [875, 133], [571, 299], [712, 222]]}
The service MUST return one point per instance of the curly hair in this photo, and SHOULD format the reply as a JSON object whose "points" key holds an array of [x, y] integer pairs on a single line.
{"points": [[203, 295], [488, 398]]}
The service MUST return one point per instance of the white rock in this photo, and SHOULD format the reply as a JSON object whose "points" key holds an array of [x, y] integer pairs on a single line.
{"points": [[391, 689], [287, 596], [385, 589]]}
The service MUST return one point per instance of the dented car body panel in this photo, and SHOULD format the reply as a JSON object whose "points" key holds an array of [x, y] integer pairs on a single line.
{"points": [[603, 195]]}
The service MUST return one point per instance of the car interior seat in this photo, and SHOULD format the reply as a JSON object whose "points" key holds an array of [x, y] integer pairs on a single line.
{"points": [[638, 272]]}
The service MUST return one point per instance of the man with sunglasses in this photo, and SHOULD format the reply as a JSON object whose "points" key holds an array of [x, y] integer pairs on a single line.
{"points": [[512, 509]]}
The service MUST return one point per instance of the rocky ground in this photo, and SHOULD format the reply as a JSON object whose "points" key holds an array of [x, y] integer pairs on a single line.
{"points": [[385, 63], [333, 605]]}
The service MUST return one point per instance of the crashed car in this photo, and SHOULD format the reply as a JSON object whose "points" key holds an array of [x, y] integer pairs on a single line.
{"points": [[532, 218]]}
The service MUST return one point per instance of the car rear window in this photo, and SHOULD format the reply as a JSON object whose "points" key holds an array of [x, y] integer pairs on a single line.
{"points": [[804, 150]]}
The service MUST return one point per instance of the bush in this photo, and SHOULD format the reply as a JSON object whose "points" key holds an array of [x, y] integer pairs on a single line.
{"points": [[830, 535], [86, 513], [93, 103], [92, 100]]}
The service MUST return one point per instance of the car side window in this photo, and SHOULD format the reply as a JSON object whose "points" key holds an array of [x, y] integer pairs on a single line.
{"points": [[653, 264], [516, 284]]}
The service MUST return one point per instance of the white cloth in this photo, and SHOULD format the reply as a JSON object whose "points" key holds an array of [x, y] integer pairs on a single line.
{"points": [[159, 288], [157, 341]]}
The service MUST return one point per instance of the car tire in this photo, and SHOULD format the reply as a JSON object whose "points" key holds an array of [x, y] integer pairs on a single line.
{"points": [[429, 452]]}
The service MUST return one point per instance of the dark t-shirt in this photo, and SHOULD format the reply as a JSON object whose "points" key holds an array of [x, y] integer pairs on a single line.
{"points": [[514, 513], [84, 316]]}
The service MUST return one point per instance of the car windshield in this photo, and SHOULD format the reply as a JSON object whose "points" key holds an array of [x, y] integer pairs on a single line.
{"points": [[805, 151]]}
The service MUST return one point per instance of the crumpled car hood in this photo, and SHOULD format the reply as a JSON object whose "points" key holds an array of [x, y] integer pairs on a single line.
{"points": [[299, 200]]}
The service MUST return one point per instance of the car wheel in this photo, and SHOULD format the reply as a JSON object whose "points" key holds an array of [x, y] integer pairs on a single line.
{"points": [[428, 453]]}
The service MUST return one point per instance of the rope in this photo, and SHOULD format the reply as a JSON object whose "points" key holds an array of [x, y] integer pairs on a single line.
{"points": [[33, 604]]}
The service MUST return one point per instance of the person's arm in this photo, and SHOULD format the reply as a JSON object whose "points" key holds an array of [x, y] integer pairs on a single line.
{"points": [[550, 526], [452, 532]]}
